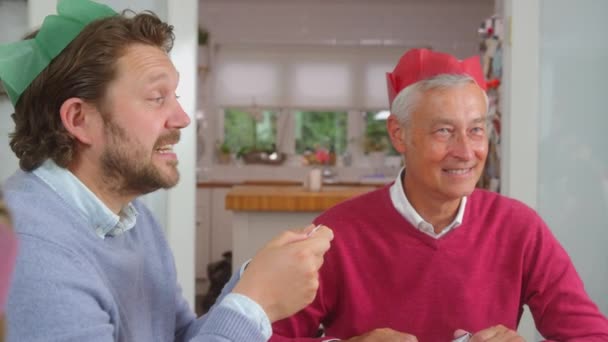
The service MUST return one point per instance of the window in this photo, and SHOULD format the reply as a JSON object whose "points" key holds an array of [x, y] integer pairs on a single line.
{"points": [[320, 130], [376, 135], [253, 129], [300, 81], [297, 131]]}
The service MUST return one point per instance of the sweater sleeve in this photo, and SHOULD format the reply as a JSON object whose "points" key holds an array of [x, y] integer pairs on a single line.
{"points": [[52, 298], [553, 290], [226, 322]]}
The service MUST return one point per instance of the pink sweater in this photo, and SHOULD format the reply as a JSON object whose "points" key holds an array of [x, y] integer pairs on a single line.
{"points": [[8, 251], [382, 272]]}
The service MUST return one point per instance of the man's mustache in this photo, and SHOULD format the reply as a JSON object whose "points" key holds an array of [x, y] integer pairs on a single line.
{"points": [[170, 138]]}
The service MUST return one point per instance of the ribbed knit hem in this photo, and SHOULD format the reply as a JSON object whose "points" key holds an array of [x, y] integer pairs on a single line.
{"points": [[232, 326]]}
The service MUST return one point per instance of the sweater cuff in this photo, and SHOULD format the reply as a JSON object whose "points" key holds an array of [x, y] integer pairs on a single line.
{"points": [[243, 267], [249, 308], [233, 325]]}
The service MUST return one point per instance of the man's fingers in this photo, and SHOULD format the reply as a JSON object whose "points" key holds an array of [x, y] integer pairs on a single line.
{"points": [[322, 232], [489, 333], [312, 241], [317, 245], [459, 333], [306, 230], [287, 237]]}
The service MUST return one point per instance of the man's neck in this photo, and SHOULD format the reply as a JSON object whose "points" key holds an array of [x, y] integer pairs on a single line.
{"points": [[438, 212], [92, 178]]}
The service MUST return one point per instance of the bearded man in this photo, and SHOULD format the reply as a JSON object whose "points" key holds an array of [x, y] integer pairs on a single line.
{"points": [[96, 118]]}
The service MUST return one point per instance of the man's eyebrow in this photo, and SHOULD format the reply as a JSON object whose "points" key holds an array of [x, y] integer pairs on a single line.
{"points": [[483, 119]]}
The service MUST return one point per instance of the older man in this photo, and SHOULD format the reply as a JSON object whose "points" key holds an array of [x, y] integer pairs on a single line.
{"points": [[430, 257], [96, 119]]}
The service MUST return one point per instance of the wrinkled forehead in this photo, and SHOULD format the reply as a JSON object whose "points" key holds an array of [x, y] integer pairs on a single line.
{"points": [[466, 100], [146, 64]]}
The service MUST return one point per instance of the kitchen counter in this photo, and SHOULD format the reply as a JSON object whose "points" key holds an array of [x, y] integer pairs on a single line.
{"points": [[290, 198], [230, 184]]}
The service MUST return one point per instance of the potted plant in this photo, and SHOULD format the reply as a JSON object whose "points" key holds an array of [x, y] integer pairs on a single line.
{"points": [[375, 145], [223, 153]]}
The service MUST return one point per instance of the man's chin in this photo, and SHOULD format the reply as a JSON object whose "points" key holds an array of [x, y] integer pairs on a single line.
{"points": [[168, 174], [170, 184], [171, 180], [460, 192], [164, 184], [162, 180]]}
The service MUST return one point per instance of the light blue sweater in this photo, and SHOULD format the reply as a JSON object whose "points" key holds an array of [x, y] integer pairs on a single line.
{"points": [[71, 285]]}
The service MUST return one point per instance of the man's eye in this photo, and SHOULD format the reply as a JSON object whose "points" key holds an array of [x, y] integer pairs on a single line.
{"points": [[477, 130], [158, 100]]}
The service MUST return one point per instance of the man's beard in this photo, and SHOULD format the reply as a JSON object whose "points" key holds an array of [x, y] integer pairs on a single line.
{"points": [[128, 168]]}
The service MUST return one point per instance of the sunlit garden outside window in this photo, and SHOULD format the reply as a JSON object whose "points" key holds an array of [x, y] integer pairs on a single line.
{"points": [[320, 130], [248, 130], [376, 135]]}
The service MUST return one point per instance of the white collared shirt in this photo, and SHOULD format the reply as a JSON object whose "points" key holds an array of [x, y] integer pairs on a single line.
{"points": [[74, 192], [404, 207]]}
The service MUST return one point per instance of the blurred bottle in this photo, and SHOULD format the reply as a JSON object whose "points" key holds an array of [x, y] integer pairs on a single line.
{"points": [[347, 159], [315, 180]]}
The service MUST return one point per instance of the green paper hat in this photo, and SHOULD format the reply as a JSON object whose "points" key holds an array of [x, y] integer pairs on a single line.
{"points": [[21, 62]]}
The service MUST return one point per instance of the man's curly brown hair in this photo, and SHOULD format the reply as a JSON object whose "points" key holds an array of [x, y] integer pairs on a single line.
{"points": [[82, 70]]}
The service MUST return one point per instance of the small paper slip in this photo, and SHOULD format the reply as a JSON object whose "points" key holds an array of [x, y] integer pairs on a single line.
{"points": [[464, 338], [313, 231]]}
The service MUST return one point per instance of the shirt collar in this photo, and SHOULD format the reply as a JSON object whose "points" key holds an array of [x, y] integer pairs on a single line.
{"points": [[405, 208], [75, 193]]}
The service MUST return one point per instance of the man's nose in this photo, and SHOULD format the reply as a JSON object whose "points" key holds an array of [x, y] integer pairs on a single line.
{"points": [[178, 118], [462, 147]]}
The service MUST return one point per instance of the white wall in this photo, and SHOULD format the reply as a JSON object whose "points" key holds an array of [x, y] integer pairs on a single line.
{"points": [[520, 108], [7, 158], [445, 25], [13, 25], [554, 121], [573, 161], [181, 199]]}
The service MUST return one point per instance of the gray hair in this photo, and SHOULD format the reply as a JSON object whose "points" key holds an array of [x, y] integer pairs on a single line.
{"points": [[407, 99]]}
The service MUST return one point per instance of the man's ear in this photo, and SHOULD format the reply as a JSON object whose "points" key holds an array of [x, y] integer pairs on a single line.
{"points": [[79, 119], [397, 134]]}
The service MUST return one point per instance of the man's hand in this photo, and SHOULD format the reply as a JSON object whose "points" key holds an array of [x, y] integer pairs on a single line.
{"points": [[384, 335], [498, 333], [283, 277]]}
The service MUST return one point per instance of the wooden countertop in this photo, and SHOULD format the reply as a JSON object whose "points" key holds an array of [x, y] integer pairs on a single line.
{"points": [[289, 198], [229, 184]]}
